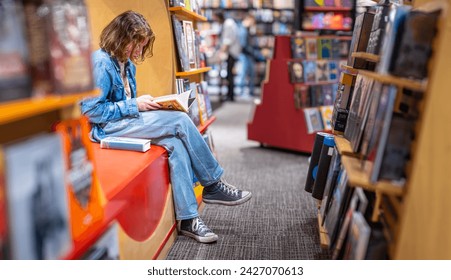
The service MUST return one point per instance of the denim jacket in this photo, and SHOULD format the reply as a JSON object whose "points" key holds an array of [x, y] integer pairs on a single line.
{"points": [[112, 103]]}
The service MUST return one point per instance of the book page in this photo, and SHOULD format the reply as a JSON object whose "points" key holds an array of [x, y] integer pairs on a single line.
{"points": [[174, 101]]}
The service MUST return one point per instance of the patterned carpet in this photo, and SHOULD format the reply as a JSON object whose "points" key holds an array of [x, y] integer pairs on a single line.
{"points": [[279, 222]]}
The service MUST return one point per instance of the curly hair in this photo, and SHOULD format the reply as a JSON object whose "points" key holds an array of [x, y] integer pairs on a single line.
{"points": [[128, 27]]}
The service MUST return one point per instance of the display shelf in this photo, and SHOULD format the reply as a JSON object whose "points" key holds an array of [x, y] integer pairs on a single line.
{"points": [[344, 146], [398, 81], [323, 236], [203, 128], [310, 28], [186, 14], [112, 210], [22, 109], [193, 72], [349, 69], [327, 9], [367, 56], [359, 175]]}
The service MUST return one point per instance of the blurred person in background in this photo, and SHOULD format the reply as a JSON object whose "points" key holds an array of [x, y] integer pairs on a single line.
{"points": [[249, 56], [229, 49]]}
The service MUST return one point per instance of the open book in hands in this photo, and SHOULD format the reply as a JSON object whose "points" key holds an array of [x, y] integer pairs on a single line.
{"points": [[179, 101]]}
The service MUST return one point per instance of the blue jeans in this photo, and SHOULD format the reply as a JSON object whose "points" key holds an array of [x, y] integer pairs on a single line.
{"points": [[188, 152], [248, 72]]}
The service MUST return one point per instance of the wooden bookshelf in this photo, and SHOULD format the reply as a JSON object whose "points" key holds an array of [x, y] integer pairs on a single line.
{"points": [[349, 69], [186, 14], [367, 56], [359, 175], [193, 72], [398, 81], [344, 146], [323, 235]]}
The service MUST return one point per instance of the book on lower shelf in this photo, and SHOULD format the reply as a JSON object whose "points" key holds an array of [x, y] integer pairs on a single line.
{"points": [[313, 119], [177, 101], [125, 143], [106, 247], [37, 199], [359, 235]]}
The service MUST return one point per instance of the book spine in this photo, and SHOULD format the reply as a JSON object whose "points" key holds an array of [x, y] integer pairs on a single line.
{"points": [[123, 146]]}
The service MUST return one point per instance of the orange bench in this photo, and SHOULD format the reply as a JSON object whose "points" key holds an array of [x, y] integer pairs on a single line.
{"points": [[138, 196]]}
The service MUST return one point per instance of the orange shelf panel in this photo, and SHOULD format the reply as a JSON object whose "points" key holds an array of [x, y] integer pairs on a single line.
{"points": [[193, 72], [21, 109]]}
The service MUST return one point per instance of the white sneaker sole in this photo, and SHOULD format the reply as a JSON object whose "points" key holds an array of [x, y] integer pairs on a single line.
{"points": [[201, 239], [228, 203]]}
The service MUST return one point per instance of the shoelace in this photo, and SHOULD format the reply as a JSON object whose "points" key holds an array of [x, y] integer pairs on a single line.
{"points": [[229, 189], [198, 225]]}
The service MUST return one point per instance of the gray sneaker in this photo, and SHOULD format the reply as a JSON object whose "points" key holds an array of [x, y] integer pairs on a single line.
{"points": [[196, 229], [225, 194]]}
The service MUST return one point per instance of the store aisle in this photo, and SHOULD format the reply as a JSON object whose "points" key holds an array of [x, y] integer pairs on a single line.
{"points": [[280, 220]]}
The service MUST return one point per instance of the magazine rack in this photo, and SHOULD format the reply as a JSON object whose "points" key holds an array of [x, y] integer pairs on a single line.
{"points": [[276, 122]]}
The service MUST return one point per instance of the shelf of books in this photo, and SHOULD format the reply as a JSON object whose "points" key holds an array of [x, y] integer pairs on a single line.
{"points": [[323, 15], [384, 177], [191, 68], [299, 89]]}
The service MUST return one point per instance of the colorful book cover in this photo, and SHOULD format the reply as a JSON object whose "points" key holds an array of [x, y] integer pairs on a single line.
{"points": [[183, 61], [326, 116], [188, 31], [313, 120], [203, 116], [70, 47], [309, 71], [296, 70], [333, 70], [325, 48], [322, 71], [38, 207], [85, 193], [298, 47], [312, 51]]}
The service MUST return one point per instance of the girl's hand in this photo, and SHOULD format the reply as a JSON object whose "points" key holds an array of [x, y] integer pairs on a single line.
{"points": [[146, 103]]}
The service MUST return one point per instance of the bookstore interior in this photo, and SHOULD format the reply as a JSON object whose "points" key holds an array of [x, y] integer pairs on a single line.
{"points": [[358, 86]]}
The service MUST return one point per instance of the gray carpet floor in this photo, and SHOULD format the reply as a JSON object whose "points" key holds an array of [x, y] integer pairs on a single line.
{"points": [[279, 222]]}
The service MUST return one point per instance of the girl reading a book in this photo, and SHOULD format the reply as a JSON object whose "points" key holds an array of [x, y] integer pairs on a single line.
{"points": [[118, 111]]}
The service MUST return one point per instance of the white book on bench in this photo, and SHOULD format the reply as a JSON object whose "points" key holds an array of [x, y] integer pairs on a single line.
{"points": [[125, 143]]}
